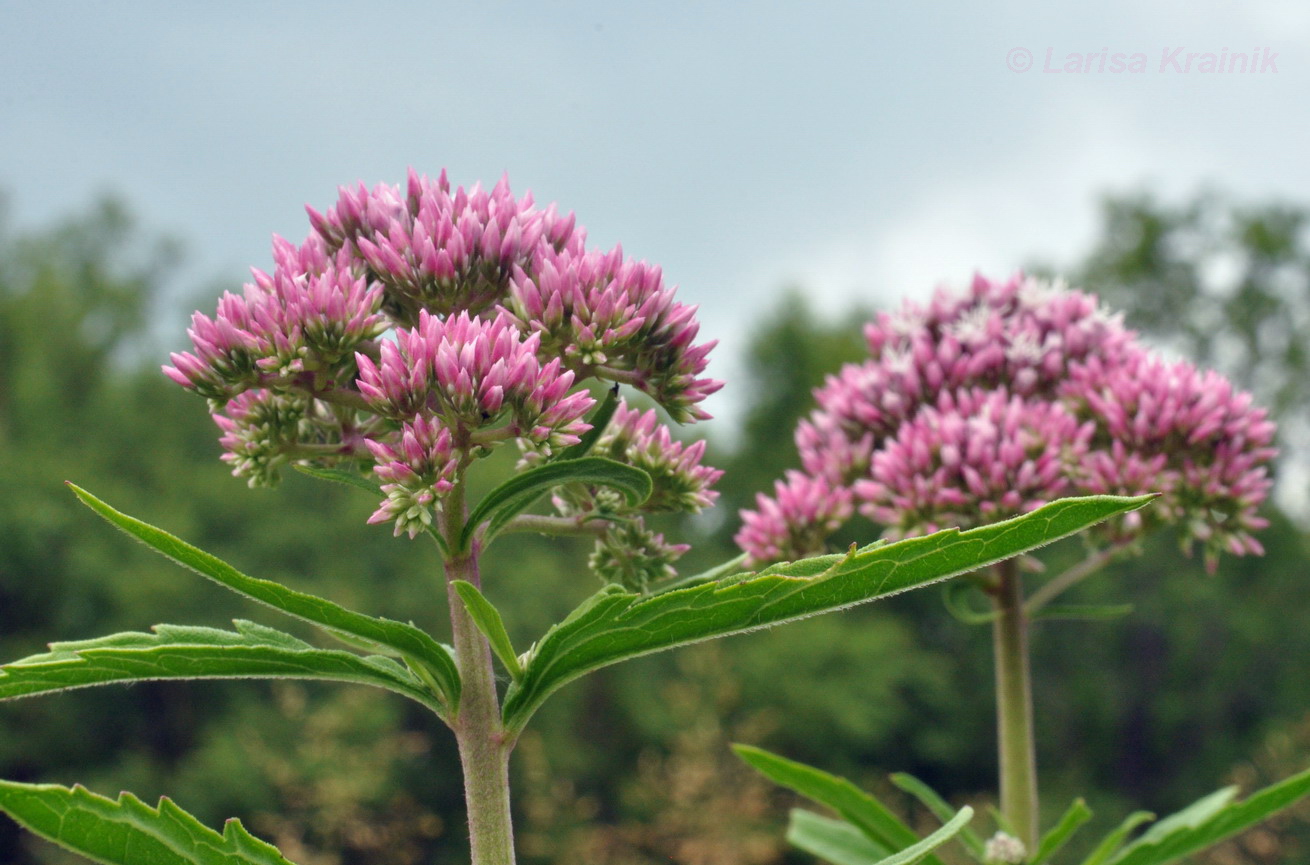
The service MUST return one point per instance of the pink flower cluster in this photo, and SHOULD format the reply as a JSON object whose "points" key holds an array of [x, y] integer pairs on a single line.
{"points": [[988, 404], [421, 328], [681, 483], [617, 320]]}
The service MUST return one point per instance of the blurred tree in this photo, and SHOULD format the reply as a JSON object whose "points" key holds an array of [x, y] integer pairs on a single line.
{"points": [[1225, 283]]}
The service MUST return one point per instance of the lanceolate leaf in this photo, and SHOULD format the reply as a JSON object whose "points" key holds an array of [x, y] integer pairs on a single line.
{"points": [[1115, 839], [942, 811], [615, 624], [921, 851], [862, 810], [492, 626], [834, 840], [415, 645], [519, 492], [1170, 839], [599, 419], [174, 652], [350, 479], [128, 831], [1077, 814]]}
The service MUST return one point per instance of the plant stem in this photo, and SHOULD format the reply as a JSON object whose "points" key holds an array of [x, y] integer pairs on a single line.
{"points": [[547, 525], [1070, 578], [484, 745], [1014, 706]]}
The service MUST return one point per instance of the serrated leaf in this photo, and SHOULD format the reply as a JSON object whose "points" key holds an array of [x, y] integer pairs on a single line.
{"points": [[1203, 825], [518, 493], [614, 624], [940, 809], [490, 623], [922, 850], [858, 807], [1115, 839], [415, 645], [128, 831], [350, 479], [719, 571], [599, 419], [1075, 816], [178, 652], [834, 840]]}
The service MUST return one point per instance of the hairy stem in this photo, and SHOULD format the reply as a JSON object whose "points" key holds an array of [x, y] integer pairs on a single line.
{"points": [[1014, 706], [548, 525], [484, 745]]}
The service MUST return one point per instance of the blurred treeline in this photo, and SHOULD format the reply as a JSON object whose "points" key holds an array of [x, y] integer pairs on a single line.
{"points": [[1203, 684]]}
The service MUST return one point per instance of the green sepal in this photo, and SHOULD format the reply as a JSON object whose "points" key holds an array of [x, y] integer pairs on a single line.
{"points": [[599, 419], [858, 807], [127, 831], [518, 493], [340, 476], [181, 652], [415, 645], [490, 623], [615, 624], [1074, 817], [929, 798], [1209, 821], [834, 840]]}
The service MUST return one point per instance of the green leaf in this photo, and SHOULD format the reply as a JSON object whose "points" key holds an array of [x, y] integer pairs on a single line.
{"points": [[1210, 821], [1081, 612], [128, 831], [177, 652], [615, 624], [1115, 839], [834, 840], [518, 493], [940, 809], [862, 810], [415, 645], [1077, 814], [922, 850], [599, 419], [492, 626], [350, 479], [731, 566]]}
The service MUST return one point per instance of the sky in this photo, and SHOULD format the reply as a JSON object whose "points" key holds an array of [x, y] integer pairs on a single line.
{"points": [[861, 151]]}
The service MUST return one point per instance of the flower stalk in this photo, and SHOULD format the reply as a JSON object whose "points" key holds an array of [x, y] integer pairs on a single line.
{"points": [[484, 745], [1014, 705]]}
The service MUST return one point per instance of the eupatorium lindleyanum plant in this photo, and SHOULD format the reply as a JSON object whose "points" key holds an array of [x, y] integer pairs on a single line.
{"points": [[987, 404], [413, 333]]}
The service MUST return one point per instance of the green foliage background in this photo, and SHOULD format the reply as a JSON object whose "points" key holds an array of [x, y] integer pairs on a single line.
{"points": [[1203, 682]]}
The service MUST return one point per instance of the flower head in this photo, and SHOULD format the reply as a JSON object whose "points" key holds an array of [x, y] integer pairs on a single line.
{"points": [[423, 327], [419, 470], [990, 403], [615, 318], [441, 250], [681, 483]]}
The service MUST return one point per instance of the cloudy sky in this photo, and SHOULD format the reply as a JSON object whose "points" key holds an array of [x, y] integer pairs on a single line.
{"points": [[860, 150]]}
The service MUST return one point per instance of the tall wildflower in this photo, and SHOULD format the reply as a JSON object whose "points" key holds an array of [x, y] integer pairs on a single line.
{"points": [[416, 330], [989, 403]]}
